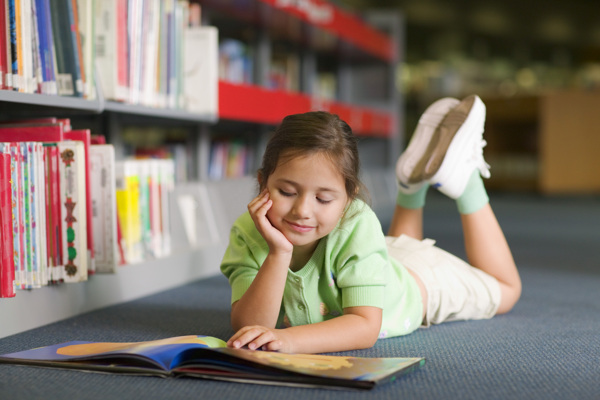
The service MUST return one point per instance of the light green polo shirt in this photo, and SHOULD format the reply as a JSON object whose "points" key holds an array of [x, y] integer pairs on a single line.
{"points": [[349, 268]]}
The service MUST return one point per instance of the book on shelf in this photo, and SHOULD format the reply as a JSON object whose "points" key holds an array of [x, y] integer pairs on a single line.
{"points": [[84, 136], [143, 188], [73, 210], [49, 183], [85, 23], [111, 48], [229, 158], [104, 207], [235, 61], [69, 78], [200, 59], [7, 265], [5, 74], [46, 48], [206, 357]]}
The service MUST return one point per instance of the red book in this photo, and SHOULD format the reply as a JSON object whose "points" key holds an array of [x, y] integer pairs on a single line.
{"points": [[53, 212], [98, 139], [7, 265], [84, 135], [31, 133]]}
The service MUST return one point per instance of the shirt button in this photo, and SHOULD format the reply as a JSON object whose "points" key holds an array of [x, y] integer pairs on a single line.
{"points": [[301, 307], [297, 279]]}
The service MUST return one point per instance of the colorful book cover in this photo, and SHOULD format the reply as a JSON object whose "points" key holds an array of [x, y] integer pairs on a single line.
{"points": [[84, 136], [104, 217], [73, 210], [7, 265], [208, 358]]}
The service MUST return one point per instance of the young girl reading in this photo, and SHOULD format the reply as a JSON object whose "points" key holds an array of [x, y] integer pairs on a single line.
{"points": [[309, 266]]}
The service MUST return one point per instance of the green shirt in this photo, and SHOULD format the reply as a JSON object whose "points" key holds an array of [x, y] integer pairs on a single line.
{"points": [[350, 267]]}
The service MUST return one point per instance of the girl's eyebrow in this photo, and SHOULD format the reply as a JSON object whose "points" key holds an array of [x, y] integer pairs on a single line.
{"points": [[295, 184]]}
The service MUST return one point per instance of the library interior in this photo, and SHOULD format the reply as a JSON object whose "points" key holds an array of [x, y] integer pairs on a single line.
{"points": [[131, 132]]}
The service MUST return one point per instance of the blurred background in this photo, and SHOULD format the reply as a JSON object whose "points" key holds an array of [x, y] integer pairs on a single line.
{"points": [[536, 65]]}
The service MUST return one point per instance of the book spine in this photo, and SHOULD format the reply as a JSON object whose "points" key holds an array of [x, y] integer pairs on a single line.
{"points": [[35, 223], [73, 210], [58, 270], [12, 25], [68, 75], [26, 217], [42, 216], [7, 266], [77, 46], [102, 164]]}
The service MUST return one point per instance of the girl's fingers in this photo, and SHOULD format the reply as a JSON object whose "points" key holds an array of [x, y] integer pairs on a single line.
{"points": [[253, 337]]}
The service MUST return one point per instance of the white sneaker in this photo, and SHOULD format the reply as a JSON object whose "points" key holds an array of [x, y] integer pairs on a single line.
{"points": [[409, 168], [461, 145]]}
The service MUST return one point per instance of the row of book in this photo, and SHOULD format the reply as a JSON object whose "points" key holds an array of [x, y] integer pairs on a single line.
{"points": [[46, 46], [69, 210], [230, 159], [149, 52]]}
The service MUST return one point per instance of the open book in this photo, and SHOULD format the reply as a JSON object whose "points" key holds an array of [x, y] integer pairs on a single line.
{"points": [[209, 358]]}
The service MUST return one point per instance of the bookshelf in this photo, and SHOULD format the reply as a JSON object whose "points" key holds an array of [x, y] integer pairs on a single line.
{"points": [[347, 48]]}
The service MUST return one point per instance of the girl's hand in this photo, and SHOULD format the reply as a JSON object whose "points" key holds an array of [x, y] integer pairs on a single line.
{"points": [[260, 337], [258, 208]]}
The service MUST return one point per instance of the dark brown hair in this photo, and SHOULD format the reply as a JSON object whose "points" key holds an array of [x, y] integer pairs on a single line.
{"points": [[311, 133]]}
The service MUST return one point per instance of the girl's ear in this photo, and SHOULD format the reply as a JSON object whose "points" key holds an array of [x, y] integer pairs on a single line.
{"points": [[259, 178]]}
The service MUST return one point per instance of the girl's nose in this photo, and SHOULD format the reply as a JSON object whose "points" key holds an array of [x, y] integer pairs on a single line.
{"points": [[302, 206]]}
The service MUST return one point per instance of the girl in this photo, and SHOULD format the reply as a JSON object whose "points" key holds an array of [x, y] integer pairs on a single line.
{"points": [[309, 266]]}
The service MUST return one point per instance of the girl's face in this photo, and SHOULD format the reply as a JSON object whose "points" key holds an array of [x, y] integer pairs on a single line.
{"points": [[309, 198]]}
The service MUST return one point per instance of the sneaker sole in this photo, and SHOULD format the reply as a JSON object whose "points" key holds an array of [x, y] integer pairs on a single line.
{"points": [[442, 142], [410, 162], [458, 144]]}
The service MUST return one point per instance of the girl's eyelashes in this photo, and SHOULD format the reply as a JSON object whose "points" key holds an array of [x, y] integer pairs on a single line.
{"points": [[290, 194], [284, 193]]}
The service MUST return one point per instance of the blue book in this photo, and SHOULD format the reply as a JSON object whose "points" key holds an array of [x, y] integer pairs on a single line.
{"points": [[46, 44]]}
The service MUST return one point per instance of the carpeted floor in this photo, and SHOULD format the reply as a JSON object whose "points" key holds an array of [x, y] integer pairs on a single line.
{"points": [[548, 347]]}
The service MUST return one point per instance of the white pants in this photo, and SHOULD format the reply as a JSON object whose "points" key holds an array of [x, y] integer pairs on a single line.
{"points": [[455, 289]]}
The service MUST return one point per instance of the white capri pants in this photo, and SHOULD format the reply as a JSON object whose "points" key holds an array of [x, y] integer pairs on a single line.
{"points": [[455, 289]]}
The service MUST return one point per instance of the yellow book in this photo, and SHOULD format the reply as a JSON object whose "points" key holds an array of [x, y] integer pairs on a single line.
{"points": [[128, 209]]}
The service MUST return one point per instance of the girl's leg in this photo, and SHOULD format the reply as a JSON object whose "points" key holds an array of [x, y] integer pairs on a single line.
{"points": [[485, 244], [412, 182], [408, 213], [407, 221]]}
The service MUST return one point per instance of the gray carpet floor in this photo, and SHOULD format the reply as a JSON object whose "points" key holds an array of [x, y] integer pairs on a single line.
{"points": [[548, 347]]}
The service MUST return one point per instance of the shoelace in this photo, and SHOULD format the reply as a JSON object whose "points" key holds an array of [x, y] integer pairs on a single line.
{"points": [[478, 160]]}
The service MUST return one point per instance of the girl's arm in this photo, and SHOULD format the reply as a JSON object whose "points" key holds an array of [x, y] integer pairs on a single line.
{"points": [[260, 304], [358, 328]]}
